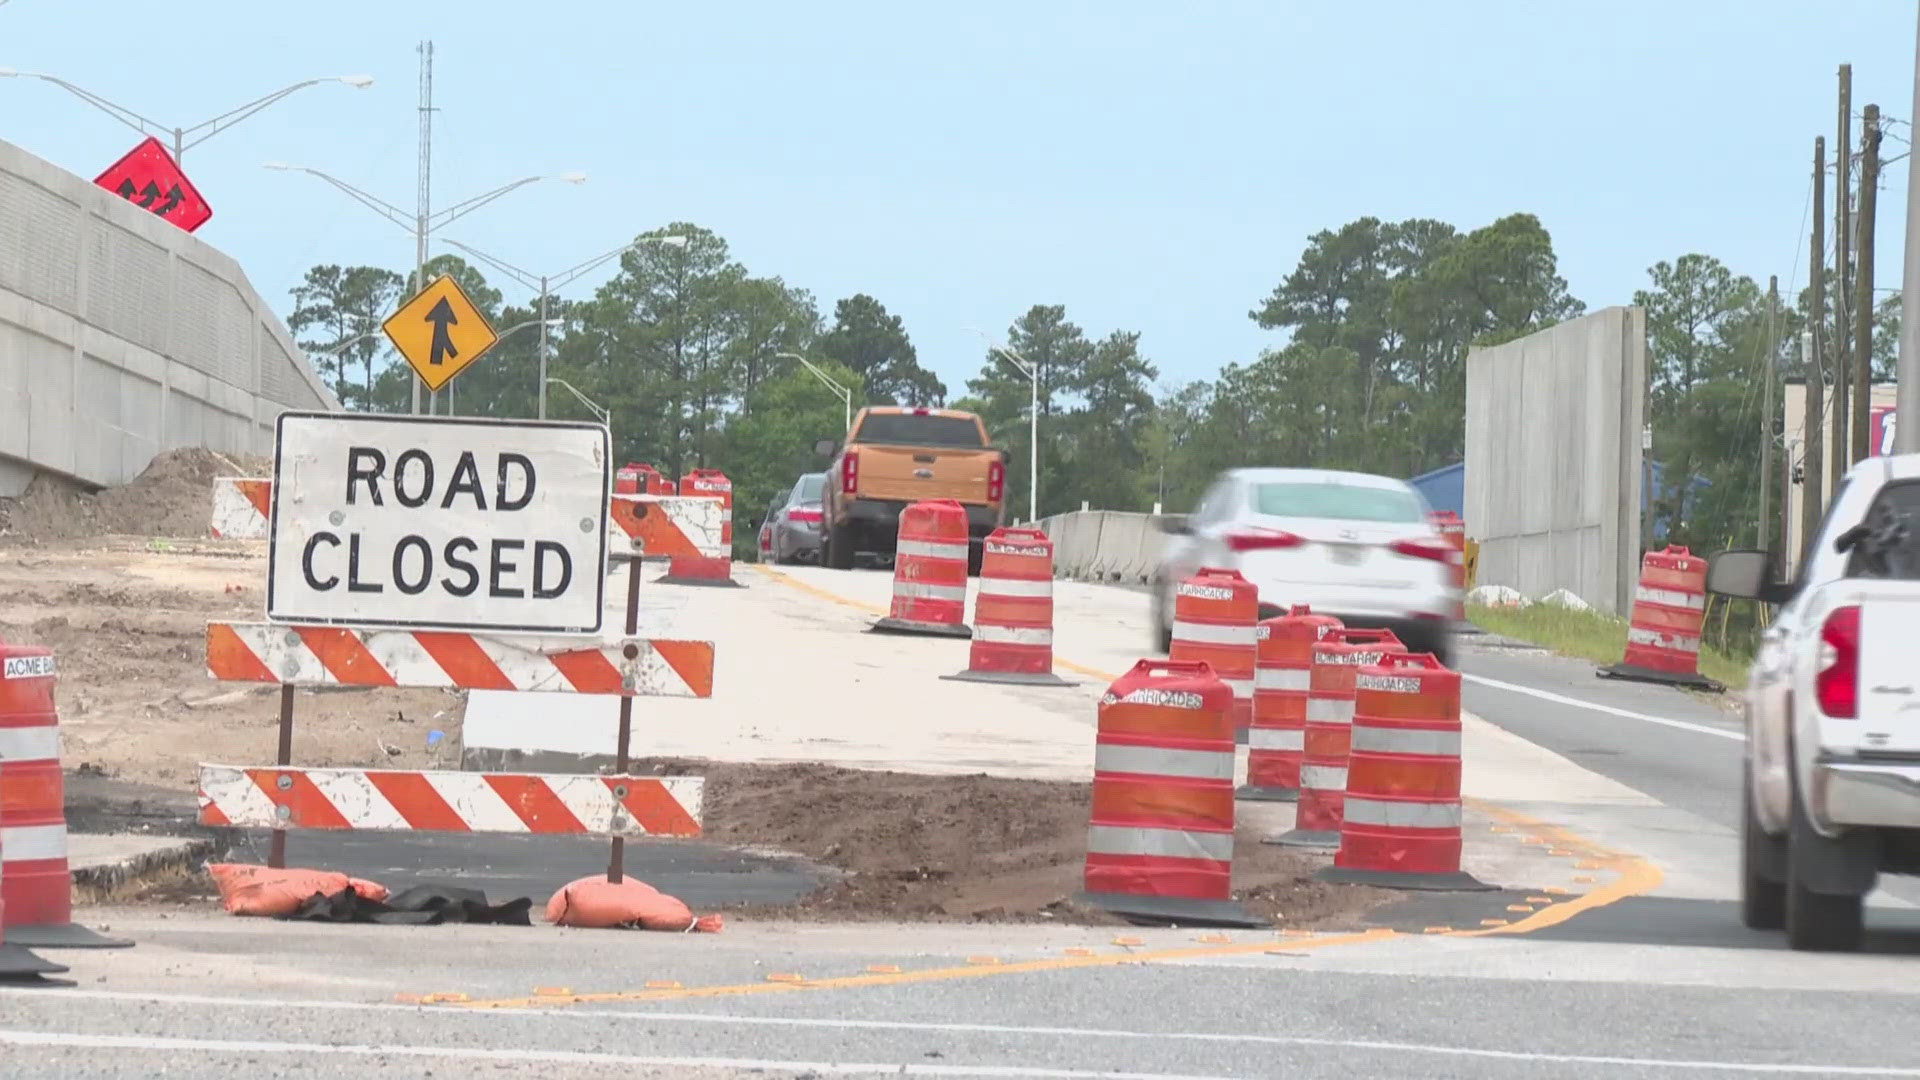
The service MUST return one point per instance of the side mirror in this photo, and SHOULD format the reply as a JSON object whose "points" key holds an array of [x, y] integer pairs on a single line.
{"points": [[1745, 575], [1174, 525], [825, 447]]}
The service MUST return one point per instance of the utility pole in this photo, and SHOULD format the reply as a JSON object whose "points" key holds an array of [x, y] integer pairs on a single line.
{"points": [[1814, 436], [1764, 525], [423, 204], [1906, 411], [1863, 283], [543, 346], [1842, 277]]}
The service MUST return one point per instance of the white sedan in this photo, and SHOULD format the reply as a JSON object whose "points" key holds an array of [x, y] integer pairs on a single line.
{"points": [[1347, 544]]}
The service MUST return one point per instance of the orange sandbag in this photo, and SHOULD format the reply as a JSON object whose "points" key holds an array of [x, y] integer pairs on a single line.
{"points": [[597, 902], [247, 889]]}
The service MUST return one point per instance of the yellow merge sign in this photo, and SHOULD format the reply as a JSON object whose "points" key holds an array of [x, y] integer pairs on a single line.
{"points": [[440, 332]]}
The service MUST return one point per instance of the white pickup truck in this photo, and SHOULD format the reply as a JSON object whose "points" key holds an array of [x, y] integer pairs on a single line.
{"points": [[1833, 712]]}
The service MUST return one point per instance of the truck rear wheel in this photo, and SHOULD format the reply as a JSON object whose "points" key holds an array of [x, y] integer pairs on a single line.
{"points": [[839, 548], [1763, 893], [1822, 921]]}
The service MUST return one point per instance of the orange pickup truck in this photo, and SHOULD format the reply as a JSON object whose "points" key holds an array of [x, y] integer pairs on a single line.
{"points": [[895, 455]]}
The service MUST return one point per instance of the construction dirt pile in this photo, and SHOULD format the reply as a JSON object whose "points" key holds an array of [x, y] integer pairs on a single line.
{"points": [[172, 498], [127, 621], [965, 848]]}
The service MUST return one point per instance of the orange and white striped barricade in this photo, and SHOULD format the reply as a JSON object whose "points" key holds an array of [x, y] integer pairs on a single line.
{"points": [[1013, 612], [355, 656], [1400, 827], [715, 568], [929, 572], [663, 527], [1283, 668], [1328, 736], [240, 507], [1663, 633], [37, 888], [1160, 841], [1215, 613], [288, 797]]}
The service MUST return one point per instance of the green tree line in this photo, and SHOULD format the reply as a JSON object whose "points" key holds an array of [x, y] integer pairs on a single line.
{"points": [[1372, 326]]}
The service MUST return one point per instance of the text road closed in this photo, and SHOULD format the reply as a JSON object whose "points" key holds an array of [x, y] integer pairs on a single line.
{"points": [[439, 523]]}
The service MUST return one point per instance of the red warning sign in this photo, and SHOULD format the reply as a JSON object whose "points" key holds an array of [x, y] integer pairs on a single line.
{"points": [[148, 178]]}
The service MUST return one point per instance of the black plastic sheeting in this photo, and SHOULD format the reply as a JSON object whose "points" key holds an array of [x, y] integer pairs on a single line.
{"points": [[422, 905]]}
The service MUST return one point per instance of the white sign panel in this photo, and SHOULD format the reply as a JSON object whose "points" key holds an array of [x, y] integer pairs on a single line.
{"points": [[438, 523]]}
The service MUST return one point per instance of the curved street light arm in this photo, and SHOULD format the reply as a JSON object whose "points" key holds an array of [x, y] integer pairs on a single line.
{"points": [[119, 112], [523, 277], [459, 210], [372, 202], [227, 119], [606, 416]]}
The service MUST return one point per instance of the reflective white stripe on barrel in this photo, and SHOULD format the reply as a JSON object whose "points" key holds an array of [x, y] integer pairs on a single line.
{"points": [[1394, 814], [1266, 738], [1670, 598], [920, 590], [1422, 741], [30, 743], [1329, 710], [1159, 761], [22, 843], [1661, 639], [1242, 688], [930, 549], [1210, 634], [991, 634], [1176, 843], [1324, 777], [1015, 587], [1282, 678]]}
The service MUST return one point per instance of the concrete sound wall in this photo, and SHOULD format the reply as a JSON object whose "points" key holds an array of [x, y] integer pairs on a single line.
{"points": [[1553, 458], [122, 336]]}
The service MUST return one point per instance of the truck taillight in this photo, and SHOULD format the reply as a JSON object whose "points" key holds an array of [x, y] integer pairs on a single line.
{"points": [[850, 472], [1837, 684], [996, 480]]}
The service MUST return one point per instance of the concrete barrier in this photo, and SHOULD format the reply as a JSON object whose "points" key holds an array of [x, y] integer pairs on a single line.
{"points": [[1118, 546]]}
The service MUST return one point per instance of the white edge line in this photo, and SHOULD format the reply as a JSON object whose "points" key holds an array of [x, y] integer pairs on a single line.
{"points": [[1562, 699], [656, 1016]]}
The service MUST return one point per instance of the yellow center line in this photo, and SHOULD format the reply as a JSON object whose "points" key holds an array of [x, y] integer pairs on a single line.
{"points": [[968, 971]]}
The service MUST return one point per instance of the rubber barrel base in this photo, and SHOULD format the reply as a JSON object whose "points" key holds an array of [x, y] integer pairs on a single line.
{"points": [[1172, 910]]}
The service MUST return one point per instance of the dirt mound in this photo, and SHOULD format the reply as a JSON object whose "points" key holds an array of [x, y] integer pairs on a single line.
{"points": [[965, 848], [172, 497]]}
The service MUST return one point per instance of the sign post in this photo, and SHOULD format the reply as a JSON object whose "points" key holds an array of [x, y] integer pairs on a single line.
{"points": [[440, 332], [149, 178]]}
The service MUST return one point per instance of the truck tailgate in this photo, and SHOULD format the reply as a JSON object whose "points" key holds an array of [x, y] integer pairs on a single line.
{"points": [[1890, 668], [921, 472]]}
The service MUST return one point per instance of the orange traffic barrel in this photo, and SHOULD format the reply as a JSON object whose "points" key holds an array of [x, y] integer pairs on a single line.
{"points": [[930, 572], [36, 886], [1663, 632], [1337, 657], [1160, 840], [16, 963], [1013, 612], [1400, 827], [1282, 671], [1214, 615]]}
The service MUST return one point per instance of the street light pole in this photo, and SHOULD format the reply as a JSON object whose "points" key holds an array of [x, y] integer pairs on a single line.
{"points": [[1906, 410], [200, 132], [546, 284], [833, 384], [1032, 373]]}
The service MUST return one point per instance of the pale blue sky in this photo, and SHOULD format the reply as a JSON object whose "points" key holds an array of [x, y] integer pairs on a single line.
{"points": [[1155, 167]]}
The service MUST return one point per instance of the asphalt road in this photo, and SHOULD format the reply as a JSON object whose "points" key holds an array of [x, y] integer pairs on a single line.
{"points": [[1649, 975]]}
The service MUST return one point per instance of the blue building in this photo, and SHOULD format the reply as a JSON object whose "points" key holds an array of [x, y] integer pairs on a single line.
{"points": [[1445, 488]]}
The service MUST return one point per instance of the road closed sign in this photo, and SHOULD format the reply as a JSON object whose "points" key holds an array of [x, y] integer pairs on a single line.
{"points": [[438, 523]]}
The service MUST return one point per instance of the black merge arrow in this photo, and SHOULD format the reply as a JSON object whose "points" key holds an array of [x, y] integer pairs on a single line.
{"points": [[174, 198], [441, 317]]}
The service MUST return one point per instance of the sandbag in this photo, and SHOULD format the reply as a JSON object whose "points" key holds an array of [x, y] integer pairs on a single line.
{"points": [[248, 889], [596, 902]]}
